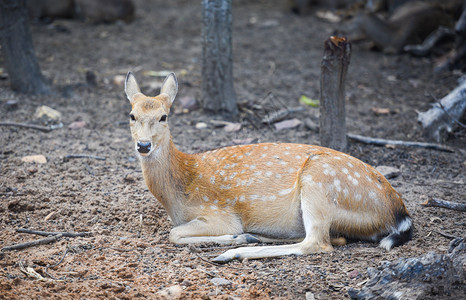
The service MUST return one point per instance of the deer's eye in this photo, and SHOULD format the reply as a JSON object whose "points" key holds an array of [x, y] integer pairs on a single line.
{"points": [[163, 118], [132, 117]]}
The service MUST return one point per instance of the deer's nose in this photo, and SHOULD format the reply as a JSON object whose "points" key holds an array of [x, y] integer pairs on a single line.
{"points": [[143, 147]]}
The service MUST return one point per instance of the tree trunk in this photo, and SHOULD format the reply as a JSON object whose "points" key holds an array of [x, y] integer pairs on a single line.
{"points": [[18, 50], [334, 66], [217, 62]]}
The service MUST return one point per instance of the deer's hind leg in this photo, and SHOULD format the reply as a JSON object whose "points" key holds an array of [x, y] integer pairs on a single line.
{"points": [[316, 219]]}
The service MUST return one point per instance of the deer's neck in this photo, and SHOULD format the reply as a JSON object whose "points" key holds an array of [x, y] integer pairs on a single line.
{"points": [[165, 176]]}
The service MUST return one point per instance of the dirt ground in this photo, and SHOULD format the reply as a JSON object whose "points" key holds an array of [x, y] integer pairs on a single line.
{"points": [[277, 59]]}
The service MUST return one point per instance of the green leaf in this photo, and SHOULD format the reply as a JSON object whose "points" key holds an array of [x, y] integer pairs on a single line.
{"points": [[308, 101]]}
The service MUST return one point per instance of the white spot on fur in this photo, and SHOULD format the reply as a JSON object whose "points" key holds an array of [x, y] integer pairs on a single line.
{"points": [[278, 176], [257, 173], [337, 157], [268, 174], [252, 167], [212, 179], [285, 191], [298, 156], [315, 157], [286, 153], [378, 185], [216, 201], [307, 178], [222, 172], [263, 155], [205, 198], [325, 166], [240, 157], [283, 163], [291, 170], [345, 192], [349, 164], [333, 173], [201, 206], [269, 164], [214, 207], [326, 172], [357, 197], [355, 181], [336, 183], [344, 170], [254, 197], [225, 187], [241, 198], [368, 178], [356, 174]]}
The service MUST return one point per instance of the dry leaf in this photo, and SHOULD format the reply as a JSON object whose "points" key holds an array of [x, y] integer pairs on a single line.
{"points": [[287, 124], [232, 127], [380, 111], [77, 125]]}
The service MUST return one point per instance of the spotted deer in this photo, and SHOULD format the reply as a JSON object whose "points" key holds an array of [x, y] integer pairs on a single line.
{"points": [[261, 193]]}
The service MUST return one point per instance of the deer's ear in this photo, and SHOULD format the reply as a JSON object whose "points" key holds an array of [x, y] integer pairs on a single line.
{"points": [[170, 87], [131, 86]]}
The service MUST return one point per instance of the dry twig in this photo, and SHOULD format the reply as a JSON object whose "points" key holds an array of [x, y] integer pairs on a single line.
{"points": [[30, 126], [44, 241], [383, 142], [46, 233], [83, 156], [433, 202]]}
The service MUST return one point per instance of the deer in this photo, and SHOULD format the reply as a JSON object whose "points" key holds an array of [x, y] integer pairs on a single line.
{"points": [[309, 197]]}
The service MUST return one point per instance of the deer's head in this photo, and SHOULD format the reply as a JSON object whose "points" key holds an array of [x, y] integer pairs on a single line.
{"points": [[149, 115]]}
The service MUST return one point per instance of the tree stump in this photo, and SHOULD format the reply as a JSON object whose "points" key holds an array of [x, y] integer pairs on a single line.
{"points": [[218, 94], [334, 66], [18, 50]]}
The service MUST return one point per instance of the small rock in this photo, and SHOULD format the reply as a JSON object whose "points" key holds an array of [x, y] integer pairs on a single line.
{"points": [[173, 292], [287, 124], [40, 159], [388, 172], [353, 274], [220, 281], [310, 296], [77, 125], [201, 125], [32, 170], [50, 113], [245, 141]]}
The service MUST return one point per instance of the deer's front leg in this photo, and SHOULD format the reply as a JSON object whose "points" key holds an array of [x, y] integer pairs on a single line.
{"points": [[206, 229]]}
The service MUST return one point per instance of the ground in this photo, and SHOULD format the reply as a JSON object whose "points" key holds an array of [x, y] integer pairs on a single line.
{"points": [[277, 59]]}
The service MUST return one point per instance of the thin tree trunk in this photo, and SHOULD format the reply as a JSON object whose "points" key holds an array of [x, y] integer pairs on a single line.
{"points": [[18, 50], [334, 66], [217, 62]]}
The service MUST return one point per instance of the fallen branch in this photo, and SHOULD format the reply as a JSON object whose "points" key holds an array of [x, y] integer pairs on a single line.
{"points": [[83, 156], [433, 202], [44, 241], [30, 126], [383, 142], [46, 233]]}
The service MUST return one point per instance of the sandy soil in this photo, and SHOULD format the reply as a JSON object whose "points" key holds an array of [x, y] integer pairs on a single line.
{"points": [[128, 254]]}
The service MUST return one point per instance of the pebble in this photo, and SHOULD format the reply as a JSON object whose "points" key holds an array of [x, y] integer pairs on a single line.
{"points": [[173, 292], [220, 281], [50, 113], [201, 125], [40, 159]]}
